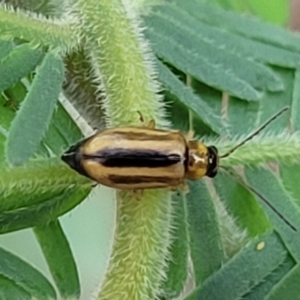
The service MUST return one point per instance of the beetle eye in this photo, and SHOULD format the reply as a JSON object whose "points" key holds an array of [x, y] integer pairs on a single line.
{"points": [[212, 168], [213, 149], [212, 174]]}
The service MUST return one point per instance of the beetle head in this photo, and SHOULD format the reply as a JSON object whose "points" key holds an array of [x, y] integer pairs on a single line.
{"points": [[202, 161], [73, 158]]}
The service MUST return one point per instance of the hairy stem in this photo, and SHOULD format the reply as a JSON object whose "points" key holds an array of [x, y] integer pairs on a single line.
{"points": [[123, 65], [39, 31], [263, 149], [50, 177]]}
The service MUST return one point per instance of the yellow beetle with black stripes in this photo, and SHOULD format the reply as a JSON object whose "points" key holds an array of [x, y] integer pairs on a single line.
{"points": [[141, 158]]}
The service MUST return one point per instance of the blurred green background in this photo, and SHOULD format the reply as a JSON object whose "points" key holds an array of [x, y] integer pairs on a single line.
{"points": [[276, 11]]}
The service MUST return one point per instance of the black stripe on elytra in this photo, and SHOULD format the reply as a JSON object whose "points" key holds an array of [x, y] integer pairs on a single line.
{"points": [[120, 157], [137, 179], [186, 158]]}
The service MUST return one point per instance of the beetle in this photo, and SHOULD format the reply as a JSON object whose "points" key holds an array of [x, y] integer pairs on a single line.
{"points": [[142, 158]]}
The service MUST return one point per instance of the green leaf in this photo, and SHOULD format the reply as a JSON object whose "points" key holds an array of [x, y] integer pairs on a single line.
{"points": [[261, 290], [244, 271], [214, 75], [240, 24], [227, 4], [8, 288], [5, 48], [60, 259], [9, 103], [2, 143], [62, 132], [282, 202], [288, 288], [289, 176], [25, 276], [273, 102], [184, 30], [17, 64], [48, 210], [179, 115], [185, 96], [258, 114], [211, 96], [236, 121], [27, 132], [65, 126], [6, 115], [295, 106], [177, 270], [206, 244], [242, 204], [247, 48]]}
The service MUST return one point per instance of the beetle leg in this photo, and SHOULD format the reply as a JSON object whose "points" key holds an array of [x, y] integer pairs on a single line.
{"points": [[136, 194], [174, 188], [185, 188], [150, 124]]}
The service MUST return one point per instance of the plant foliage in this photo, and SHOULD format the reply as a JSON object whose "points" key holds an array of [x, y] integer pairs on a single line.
{"points": [[223, 72]]}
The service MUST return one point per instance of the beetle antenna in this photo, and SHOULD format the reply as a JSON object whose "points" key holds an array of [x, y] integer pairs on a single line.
{"points": [[261, 197], [256, 132]]}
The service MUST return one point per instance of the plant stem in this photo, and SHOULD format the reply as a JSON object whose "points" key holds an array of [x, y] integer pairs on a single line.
{"points": [[123, 65], [263, 149], [39, 31]]}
